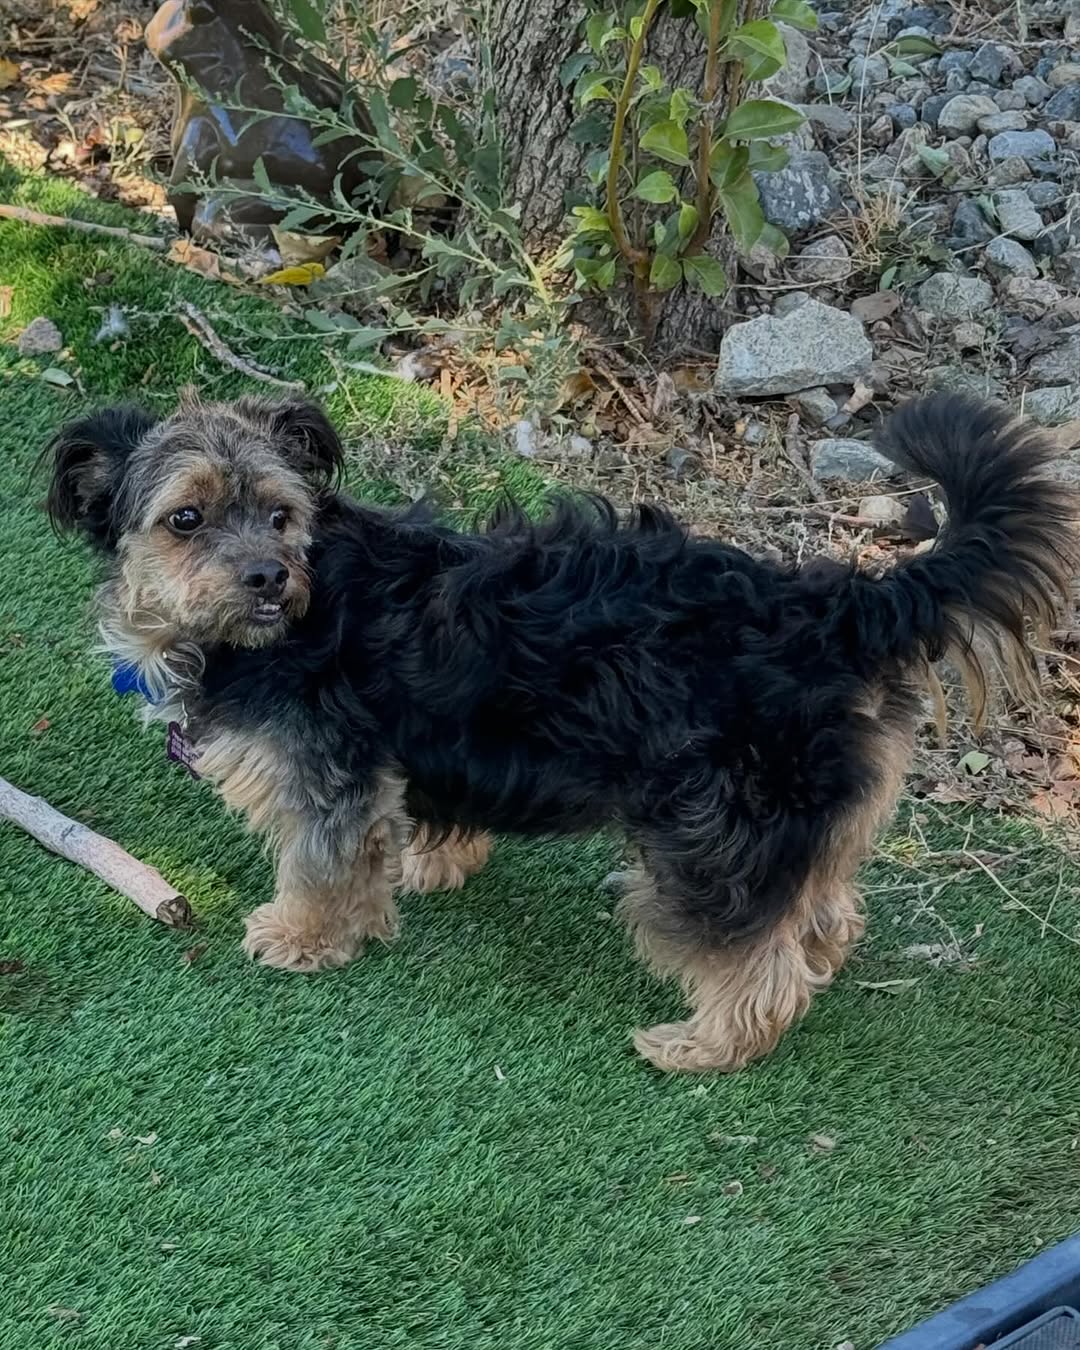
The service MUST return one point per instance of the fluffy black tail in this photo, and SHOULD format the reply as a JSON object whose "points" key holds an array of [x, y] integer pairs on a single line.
{"points": [[1007, 556]]}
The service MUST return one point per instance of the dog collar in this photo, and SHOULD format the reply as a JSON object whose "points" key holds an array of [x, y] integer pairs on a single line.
{"points": [[128, 679]]}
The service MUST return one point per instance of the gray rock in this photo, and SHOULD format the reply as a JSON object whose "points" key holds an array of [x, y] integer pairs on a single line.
{"points": [[39, 337], [832, 83], [1008, 100], [1064, 106], [969, 226], [932, 106], [1008, 173], [969, 335], [1051, 407], [1044, 194], [1067, 269], [956, 61], [1057, 366], [850, 460], [960, 115], [788, 302], [1034, 90], [812, 346], [868, 71], [903, 115], [956, 379], [1031, 299], [1036, 148], [831, 118], [1003, 121], [816, 406], [1067, 73], [951, 296], [882, 510], [989, 63], [1016, 214], [825, 260], [801, 194], [792, 80], [1005, 258]]}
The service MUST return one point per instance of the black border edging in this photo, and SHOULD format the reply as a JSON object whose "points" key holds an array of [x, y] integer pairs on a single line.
{"points": [[1045, 1282]]}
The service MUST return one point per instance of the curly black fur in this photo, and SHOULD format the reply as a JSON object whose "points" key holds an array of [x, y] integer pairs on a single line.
{"points": [[559, 676]]}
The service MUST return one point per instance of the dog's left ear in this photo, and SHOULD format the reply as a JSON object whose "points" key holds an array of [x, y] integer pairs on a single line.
{"points": [[89, 458], [312, 443]]}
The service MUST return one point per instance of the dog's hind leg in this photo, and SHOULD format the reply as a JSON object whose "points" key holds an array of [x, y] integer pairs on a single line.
{"points": [[431, 863]]}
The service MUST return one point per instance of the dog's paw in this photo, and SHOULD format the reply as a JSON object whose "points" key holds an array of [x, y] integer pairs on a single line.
{"points": [[673, 1047], [275, 941], [446, 867]]}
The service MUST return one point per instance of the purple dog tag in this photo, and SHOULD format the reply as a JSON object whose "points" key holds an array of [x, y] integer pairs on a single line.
{"points": [[179, 749]]}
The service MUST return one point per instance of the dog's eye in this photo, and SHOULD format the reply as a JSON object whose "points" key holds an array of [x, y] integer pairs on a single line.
{"points": [[279, 518], [185, 521]]}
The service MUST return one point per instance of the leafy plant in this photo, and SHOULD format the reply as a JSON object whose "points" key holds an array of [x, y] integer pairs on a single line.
{"points": [[670, 158]]}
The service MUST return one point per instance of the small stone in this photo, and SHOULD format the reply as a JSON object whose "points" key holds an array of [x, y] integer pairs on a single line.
{"points": [[951, 296], [1008, 173], [832, 83], [788, 303], [968, 336], [868, 71], [791, 82], [800, 195], [1031, 298], [956, 61], [1003, 121], [812, 346], [833, 119], [1051, 407], [903, 116], [956, 379], [525, 438], [1005, 258], [876, 306], [960, 115], [1067, 73], [825, 260], [1057, 366], [579, 447], [1008, 100], [39, 336], [880, 131], [1045, 194], [969, 226], [1067, 269], [1034, 90], [850, 460], [882, 510], [1016, 214], [816, 406], [1064, 106], [989, 63], [932, 106], [1035, 148]]}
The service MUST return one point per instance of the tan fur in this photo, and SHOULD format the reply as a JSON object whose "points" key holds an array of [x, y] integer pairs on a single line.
{"points": [[744, 997], [447, 865]]}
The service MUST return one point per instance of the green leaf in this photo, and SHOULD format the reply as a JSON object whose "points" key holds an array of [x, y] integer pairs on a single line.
{"points": [[574, 67], [595, 270], [365, 338], [974, 762], [594, 128], [775, 240], [759, 118], [743, 211], [54, 375], [667, 141], [797, 13], [308, 20], [653, 77], [402, 93], [593, 86], [595, 28], [913, 45], [766, 157], [887, 278], [688, 219], [664, 273], [637, 23], [596, 165], [261, 177], [658, 186], [937, 161], [727, 163], [613, 35], [592, 220], [705, 273], [759, 39], [682, 9], [680, 107]]}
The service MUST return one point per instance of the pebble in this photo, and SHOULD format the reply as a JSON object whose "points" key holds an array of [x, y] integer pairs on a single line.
{"points": [[816, 406], [1064, 106], [1016, 214], [39, 337], [882, 510], [1031, 298], [850, 460], [969, 226], [932, 106], [801, 194], [952, 296], [903, 115], [867, 71], [1057, 366], [1033, 90], [1068, 73], [969, 336], [1035, 148], [813, 345], [824, 260], [1008, 100], [834, 119], [989, 63], [1003, 121], [1006, 258], [1052, 406], [960, 115]]}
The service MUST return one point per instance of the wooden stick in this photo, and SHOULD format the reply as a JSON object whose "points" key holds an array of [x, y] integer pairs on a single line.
{"points": [[29, 217], [200, 328], [797, 459], [79, 844]]}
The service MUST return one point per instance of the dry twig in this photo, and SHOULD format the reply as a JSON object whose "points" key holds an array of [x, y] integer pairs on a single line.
{"points": [[798, 461], [107, 860], [29, 217], [200, 327]]}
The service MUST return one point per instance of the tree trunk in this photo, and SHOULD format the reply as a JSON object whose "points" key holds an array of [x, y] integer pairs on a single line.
{"points": [[530, 40]]}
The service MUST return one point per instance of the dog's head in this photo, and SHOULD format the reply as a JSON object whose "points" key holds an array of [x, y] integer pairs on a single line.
{"points": [[208, 511]]}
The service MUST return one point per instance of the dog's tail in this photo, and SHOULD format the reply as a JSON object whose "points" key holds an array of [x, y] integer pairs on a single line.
{"points": [[1005, 559]]}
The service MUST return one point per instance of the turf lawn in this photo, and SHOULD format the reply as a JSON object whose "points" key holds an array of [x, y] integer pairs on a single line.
{"points": [[450, 1144]]}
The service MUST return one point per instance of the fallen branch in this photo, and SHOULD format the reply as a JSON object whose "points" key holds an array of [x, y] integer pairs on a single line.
{"points": [[200, 328], [29, 217], [79, 844], [798, 461]]}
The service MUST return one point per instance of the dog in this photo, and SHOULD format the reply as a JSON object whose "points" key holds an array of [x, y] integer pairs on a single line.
{"points": [[376, 692]]}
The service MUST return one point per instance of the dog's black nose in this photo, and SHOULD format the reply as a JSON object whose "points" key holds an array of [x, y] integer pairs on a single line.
{"points": [[266, 578]]}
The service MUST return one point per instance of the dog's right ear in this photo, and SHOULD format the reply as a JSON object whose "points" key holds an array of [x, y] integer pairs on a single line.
{"points": [[88, 460]]}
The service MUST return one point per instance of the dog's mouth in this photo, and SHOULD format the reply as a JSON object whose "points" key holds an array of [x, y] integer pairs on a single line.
{"points": [[267, 613]]}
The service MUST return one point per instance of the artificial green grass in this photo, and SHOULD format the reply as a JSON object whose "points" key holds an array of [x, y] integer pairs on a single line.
{"points": [[449, 1144]]}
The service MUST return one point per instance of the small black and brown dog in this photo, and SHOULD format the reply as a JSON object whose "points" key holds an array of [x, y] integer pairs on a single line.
{"points": [[376, 692]]}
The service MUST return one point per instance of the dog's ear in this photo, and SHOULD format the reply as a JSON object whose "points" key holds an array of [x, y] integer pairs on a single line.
{"points": [[311, 443], [88, 461]]}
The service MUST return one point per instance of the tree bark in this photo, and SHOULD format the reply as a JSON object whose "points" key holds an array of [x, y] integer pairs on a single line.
{"points": [[530, 40]]}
